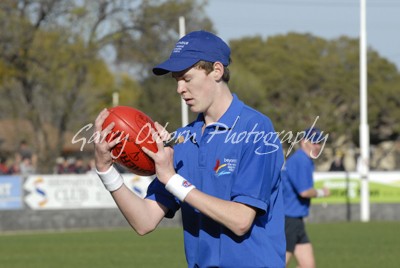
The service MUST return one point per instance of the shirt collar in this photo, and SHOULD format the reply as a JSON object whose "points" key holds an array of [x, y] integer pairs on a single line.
{"points": [[228, 119], [231, 115]]}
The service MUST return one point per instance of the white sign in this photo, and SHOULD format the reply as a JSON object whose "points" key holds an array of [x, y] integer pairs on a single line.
{"points": [[389, 178], [76, 191]]}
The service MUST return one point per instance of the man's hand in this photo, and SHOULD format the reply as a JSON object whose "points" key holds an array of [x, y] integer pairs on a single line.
{"points": [[163, 159], [102, 148]]}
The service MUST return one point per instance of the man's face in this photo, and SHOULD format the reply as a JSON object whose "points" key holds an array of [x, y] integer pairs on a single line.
{"points": [[312, 149], [195, 88]]}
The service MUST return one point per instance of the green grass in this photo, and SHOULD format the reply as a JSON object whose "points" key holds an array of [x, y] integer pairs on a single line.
{"points": [[367, 245], [375, 244], [97, 249]]}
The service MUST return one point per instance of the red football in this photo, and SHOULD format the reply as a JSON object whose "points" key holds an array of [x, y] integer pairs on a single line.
{"points": [[133, 127]]}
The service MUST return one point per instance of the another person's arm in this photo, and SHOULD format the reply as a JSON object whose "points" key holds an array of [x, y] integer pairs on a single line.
{"points": [[313, 192], [301, 177]]}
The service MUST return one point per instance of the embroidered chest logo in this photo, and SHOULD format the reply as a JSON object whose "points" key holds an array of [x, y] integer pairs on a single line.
{"points": [[226, 167]]}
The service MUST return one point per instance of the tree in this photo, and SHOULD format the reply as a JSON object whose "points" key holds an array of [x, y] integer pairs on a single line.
{"points": [[47, 89], [301, 77], [55, 60], [158, 95]]}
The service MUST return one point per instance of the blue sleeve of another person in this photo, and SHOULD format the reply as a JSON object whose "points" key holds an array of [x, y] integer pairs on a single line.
{"points": [[300, 170]]}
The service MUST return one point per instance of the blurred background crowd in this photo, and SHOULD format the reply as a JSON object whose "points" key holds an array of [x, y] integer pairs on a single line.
{"points": [[24, 162]]}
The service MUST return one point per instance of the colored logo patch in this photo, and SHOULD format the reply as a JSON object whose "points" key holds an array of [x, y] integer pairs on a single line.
{"points": [[225, 168]]}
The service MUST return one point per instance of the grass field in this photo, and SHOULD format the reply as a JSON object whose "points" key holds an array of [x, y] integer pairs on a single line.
{"points": [[336, 245]]}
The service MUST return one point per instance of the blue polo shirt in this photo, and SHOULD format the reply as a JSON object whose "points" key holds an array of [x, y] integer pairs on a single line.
{"points": [[297, 177], [239, 159]]}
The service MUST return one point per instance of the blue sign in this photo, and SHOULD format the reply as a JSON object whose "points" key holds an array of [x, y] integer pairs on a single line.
{"points": [[10, 192]]}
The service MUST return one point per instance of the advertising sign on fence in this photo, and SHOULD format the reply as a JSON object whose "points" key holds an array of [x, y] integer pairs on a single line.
{"points": [[10, 192], [384, 187], [86, 191], [75, 191]]}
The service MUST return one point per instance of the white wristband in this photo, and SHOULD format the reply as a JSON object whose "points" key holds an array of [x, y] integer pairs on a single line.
{"points": [[111, 179], [320, 192], [179, 186]]}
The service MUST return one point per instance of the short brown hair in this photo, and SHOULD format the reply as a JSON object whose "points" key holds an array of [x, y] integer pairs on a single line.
{"points": [[209, 67]]}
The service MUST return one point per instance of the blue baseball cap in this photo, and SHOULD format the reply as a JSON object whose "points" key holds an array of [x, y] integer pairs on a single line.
{"points": [[314, 135], [192, 48]]}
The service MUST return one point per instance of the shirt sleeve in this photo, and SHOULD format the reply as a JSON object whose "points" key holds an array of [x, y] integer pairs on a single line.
{"points": [[157, 192], [300, 174], [259, 170]]}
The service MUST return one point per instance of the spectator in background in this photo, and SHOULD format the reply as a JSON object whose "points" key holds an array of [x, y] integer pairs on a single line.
{"points": [[3, 167], [15, 166], [27, 167], [338, 163], [79, 166], [24, 150], [63, 166]]}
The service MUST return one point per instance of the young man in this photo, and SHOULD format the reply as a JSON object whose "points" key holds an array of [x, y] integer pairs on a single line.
{"points": [[224, 173], [298, 189]]}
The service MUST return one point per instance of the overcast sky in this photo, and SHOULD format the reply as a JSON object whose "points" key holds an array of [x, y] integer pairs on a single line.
{"points": [[325, 18]]}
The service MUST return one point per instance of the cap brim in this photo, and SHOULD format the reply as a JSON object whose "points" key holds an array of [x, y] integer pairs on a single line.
{"points": [[315, 139], [174, 65], [316, 142]]}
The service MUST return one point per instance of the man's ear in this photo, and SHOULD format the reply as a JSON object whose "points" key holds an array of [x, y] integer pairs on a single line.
{"points": [[218, 70], [302, 143]]}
